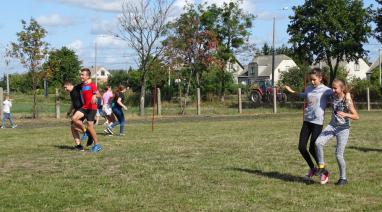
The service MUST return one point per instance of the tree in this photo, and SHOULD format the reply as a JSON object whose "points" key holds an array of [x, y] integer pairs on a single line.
{"points": [[330, 31], [31, 50], [191, 47], [119, 77], [142, 24], [231, 25], [378, 21], [62, 65]]}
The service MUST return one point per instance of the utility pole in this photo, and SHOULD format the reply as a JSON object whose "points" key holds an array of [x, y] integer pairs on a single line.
{"points": [[95, 62], [273, 68]]}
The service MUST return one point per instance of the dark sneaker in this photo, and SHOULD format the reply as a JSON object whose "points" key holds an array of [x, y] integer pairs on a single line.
{"points": [[341, 182], [79, 148], [90, 141], [96, 148], [320, 171], [324, 177], [310, 173]]}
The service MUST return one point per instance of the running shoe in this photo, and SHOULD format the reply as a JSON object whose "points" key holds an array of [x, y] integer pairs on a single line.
{"points": [[324, 177], [14, 126], [341, 182], [96, 148], [109, 130], [2, 127], [122, 134], [79, 147]]}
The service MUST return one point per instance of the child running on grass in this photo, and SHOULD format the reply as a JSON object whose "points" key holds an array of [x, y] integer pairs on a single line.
{"points": [[339, 126], [118, 99], [317, 96], [7, 104]]}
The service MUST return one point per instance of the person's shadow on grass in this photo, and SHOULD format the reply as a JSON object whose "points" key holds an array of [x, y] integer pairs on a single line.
{"points": [[275, 175], [365, 149], [62, 146]]}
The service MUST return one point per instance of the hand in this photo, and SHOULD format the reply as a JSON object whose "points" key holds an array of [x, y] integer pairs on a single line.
{"points": [[125, 108], [94, 99], [341, 114]]}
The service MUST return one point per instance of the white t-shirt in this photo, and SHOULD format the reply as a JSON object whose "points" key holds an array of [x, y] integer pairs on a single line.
{"points": [[7, 106]]}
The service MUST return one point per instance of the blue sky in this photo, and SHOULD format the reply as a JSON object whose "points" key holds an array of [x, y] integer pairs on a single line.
{"points": [[79, 24]]}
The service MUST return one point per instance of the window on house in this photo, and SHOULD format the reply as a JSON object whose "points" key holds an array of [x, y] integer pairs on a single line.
{"points": [[356, 67], [102, 73]]}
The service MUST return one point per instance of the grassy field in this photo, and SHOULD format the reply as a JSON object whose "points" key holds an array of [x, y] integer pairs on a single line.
{"points": [[244, 163]]}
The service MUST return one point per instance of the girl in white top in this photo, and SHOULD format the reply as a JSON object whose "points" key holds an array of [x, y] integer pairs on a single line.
{"points": [[7, 104]]}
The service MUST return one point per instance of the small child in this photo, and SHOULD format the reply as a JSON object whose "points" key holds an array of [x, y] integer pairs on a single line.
{"points": [[7, 104], [339, 126]]}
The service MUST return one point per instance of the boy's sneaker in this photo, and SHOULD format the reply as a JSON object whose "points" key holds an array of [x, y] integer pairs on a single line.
{"points": [[2, 127], [79, 147], [96, 148], [122, 134], [324, 177], [109, 130], [90, 141], [341, 182], [310, 173], [14, 126], [84, 136]]}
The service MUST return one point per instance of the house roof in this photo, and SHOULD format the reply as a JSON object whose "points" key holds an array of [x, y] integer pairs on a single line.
{"points": [[375, 64], [266, 60]]}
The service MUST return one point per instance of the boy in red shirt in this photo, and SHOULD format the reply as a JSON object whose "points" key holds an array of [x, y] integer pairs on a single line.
{"points": [[88, 110]]}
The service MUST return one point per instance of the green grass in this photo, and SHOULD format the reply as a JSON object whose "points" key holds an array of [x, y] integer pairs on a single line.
{"points": [[245, 163]]}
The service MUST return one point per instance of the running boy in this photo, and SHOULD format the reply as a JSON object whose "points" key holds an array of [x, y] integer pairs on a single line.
{"points": [[89, 108], [7, 104], [317, 96], [339, 126]]}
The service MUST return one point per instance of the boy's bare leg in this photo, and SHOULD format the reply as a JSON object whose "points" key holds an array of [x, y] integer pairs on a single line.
{"points": [[92, 132]]}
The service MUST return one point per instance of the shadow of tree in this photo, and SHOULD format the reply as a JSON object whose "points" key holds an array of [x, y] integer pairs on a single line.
{"points": [[365, 149], [275, 175]]}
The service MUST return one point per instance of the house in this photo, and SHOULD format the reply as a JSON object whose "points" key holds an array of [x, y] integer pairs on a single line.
{"points": [[102, 74], [261, 68], [236, 69], [375, 64], [355, 69]]}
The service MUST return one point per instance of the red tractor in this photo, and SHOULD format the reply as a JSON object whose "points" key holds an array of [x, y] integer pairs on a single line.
{"points": [[262, 92]]}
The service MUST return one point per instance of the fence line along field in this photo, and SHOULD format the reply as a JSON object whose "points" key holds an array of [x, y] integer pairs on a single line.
{"points": [[198, 163]]}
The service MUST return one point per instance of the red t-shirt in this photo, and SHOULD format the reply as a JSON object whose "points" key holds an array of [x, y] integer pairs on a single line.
{"points": [[87, 92]]}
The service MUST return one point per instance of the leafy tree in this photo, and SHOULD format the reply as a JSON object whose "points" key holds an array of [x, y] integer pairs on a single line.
{"points": [[142, 25], [63, 64], [31, 50], [231, 25], [378, 21], [330, 30], [118, 77]]}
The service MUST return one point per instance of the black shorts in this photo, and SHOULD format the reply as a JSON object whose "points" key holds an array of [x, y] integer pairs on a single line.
{"points": [[89, 115]]}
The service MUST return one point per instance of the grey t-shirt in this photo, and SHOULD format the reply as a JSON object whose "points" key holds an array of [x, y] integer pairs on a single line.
{"points": [[317, 99], [343, 106]]}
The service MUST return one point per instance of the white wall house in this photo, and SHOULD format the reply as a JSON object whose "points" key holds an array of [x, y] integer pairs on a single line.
{"points": [[355, 69], [236, 69], [261, 68], [102, 74]]}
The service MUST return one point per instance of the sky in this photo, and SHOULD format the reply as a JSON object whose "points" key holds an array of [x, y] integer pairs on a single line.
{"points": [[83, 24]]}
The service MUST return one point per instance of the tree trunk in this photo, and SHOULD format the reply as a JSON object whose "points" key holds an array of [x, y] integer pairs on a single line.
{"points": [[142, 97]]}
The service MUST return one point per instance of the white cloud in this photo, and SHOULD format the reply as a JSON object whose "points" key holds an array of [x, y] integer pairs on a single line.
{"points": [[102, 5], [54, 20], [108, 41], [100, 26], [76, 46]]}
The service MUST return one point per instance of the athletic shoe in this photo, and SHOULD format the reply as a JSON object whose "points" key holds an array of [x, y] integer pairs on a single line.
{"points": [[122, 134], [341, 182], [324, 177], [109, 130], [90, 141], [84, 136], [14, 126], [310, 173], [96, 148], [79, 147], [2, 127]]}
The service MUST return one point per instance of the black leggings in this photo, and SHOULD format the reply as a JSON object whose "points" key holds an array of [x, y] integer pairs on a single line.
{"points": [[312, 130]]}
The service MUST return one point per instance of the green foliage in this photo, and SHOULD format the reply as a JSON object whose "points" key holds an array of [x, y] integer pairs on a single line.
{"points": [[331, 29], [378, 21], [62, 65], [31, 50], [118, 77]]}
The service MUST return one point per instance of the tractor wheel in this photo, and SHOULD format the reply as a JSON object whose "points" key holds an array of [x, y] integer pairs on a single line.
{"points": [[256, 98]]}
